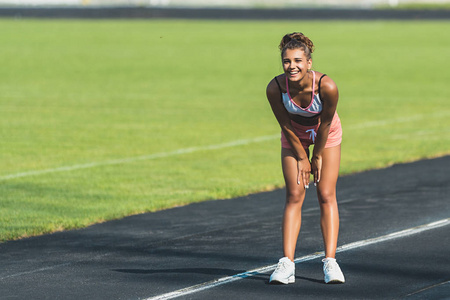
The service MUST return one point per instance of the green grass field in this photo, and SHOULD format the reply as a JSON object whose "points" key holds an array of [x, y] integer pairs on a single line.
{"points": [[103, 119]]}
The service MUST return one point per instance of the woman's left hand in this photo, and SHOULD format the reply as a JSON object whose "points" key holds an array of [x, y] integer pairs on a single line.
{"points": [[316, 168]]}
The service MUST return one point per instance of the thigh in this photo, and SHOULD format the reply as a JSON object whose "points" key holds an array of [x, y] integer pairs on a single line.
{"points": [[331, 160], [290, 172]]}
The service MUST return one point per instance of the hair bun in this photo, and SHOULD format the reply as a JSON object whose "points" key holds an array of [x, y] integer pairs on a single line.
{"points": [[299, 37]]}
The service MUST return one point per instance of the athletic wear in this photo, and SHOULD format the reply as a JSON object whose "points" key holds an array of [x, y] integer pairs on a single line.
{"points": [[314, 108], [285, 272], [332, 271], [307, 134]]}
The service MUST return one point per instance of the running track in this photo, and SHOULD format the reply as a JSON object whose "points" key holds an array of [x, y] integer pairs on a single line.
{"points": [[218, 249]]}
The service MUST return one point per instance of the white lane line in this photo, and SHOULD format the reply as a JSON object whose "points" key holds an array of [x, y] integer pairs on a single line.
{"points": [[429, 288], [35, 271], [140, 158], [262, 270], [207, 148], [92, 258]]}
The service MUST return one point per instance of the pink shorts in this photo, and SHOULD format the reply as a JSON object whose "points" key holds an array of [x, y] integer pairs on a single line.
{"points": [[307, 134]]}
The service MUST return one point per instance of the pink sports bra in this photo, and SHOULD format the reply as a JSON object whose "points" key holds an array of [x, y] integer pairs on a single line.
{"points": [[314, 108]]}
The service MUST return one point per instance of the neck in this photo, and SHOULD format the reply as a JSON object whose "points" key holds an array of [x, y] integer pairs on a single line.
{"points": [[303, 83]]}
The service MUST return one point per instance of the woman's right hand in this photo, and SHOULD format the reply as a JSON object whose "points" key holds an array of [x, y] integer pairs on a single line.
{"points": [[304, 172]]}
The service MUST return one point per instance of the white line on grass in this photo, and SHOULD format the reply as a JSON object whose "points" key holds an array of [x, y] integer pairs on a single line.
{"points": [[206, 148], [258, 271], [144, 157]]}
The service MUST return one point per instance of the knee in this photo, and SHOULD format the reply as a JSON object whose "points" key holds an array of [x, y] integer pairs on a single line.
{"points": [[326, 196], [295, 197]]}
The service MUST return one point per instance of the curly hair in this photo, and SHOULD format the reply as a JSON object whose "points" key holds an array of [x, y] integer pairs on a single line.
{"points": [[296, 40]]}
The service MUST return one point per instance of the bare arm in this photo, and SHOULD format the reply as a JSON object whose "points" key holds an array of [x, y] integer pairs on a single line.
{"points": [[282, 116], [329, 96]]}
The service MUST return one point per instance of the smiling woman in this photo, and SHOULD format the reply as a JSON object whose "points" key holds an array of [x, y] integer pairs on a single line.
{"points": [[306, 111]]}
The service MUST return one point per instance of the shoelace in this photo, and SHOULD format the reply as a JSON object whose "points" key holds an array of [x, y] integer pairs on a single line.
{"points": [[329, 266], [282, 265]]}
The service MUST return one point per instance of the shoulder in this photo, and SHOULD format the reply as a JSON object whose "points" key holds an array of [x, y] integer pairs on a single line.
{"points": [[327, 85], [273, 88]]}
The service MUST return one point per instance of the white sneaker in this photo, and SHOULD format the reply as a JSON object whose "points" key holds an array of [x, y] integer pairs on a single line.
{"points": [[332, 271], [285, 271]]}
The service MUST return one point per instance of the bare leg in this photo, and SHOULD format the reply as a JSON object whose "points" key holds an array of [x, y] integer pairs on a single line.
{"points": [[326, 193], [295, 194]]}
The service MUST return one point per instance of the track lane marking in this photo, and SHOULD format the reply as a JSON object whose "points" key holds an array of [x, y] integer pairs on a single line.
{"points": [[262, 270], [52, 267], [35, 271], [429, 288]]}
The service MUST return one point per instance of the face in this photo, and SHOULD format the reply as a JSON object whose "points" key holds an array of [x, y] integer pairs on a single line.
{"points": [[295, 64]]}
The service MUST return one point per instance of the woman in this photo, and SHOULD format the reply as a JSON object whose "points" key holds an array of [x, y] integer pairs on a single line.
{"points": [[304, 104]]}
